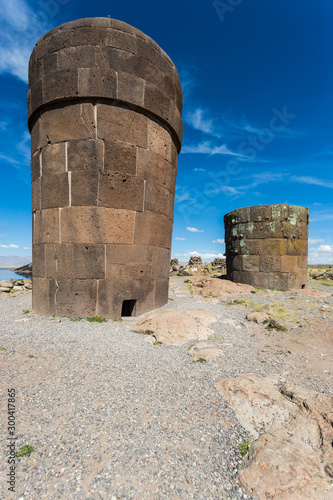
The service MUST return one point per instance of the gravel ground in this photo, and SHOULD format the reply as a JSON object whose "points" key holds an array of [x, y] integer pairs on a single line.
{"points": [[111, 415]]}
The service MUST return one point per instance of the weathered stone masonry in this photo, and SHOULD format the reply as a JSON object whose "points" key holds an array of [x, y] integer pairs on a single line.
{"points": [[267, 246], [104, 109]]}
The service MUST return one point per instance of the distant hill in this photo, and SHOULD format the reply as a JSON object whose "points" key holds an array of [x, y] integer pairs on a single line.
{"points": [[14, 261], [27, 269]]}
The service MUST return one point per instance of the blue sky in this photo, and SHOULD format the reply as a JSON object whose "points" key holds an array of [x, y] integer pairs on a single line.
{"points": [[257, 79]]}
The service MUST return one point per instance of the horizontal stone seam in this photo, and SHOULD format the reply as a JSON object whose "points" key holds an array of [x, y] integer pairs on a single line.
{"points": [[98, 100]]}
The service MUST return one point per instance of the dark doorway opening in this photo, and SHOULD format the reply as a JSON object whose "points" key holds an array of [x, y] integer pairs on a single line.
{"points": [[128, 308], [303, 286]]}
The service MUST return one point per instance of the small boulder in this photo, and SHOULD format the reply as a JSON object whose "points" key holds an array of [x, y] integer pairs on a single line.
{"points": [[171, 327], [207, 354], [257, 316]]}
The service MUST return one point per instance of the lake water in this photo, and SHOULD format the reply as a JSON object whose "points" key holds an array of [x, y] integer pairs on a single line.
{"points": [[11, 275]]}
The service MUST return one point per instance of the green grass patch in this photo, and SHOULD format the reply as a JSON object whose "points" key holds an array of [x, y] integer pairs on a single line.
{"points": [[244, 448], [25, 451], [26, 311], [96, 319], [200, 360], [214, 338], [189, 348], [117, 319], [2, 349], [157, 343], [76, 319]]}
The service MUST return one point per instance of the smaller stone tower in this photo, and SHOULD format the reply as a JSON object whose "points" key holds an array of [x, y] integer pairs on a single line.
{"points": [[267, 246]]}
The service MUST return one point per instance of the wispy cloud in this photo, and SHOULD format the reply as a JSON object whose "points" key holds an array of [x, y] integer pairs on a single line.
{"points": [[313, 181], [194, 230], [183, 194], [13, 246], [27, 248], [208, 148], [3, 246], [20, 31], [321, 255], [199, 170], [198, 121], [180, 239], [218, 241], [314, 241]]}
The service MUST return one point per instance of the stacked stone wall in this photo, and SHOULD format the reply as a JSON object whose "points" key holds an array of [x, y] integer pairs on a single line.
{"points": [[267, 246], [104, 109]]}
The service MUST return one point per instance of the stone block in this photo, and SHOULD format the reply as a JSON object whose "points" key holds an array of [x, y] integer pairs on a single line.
{"points": [[264, 230], [121, 40], [280, 212], [132, 254], [152, 229], [157, 199], [76, 57], [36, 71], [153, 167], [98, 82], [237, 263], [161, 263], [43, 296], [36, 95], [156, 101], [59, 258], [112, 58], [58, 41], [269, 263], [120, 157], [275, 246], [54, 158], [59, 85], [303, 231], [251, 263], [297, 247], [277, 281], [131, 88], [66, 123], [76, 297], [36, 195], [46, 226], [38, 260], [121, 190], [298, 214], [118, 273], [85, 154], [97, 225], [159, 140], [84, 188], [261, 213], [89, 261], [35, 136], [50, 63], [297, 280], [35, 166], [302, 261], [289, 264], [251, 247], [89, 36], [55, 190], [244, 214], [161, 292], [121, 124]]}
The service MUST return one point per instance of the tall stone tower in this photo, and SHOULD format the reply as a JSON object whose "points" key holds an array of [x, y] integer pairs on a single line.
{"points": [[267, 246], [104, 112]]}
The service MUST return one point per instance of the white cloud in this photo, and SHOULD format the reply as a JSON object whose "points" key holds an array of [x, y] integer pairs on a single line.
{"points": [[27, 248], [325, 249], [313, 181], [199, 170], [313, 241], [21, 29], [13, 246], [321, 255], [208, 149], [180, 239], [3, 246], [198, 122], [194, 230], [182, 194], [218, 241]]}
